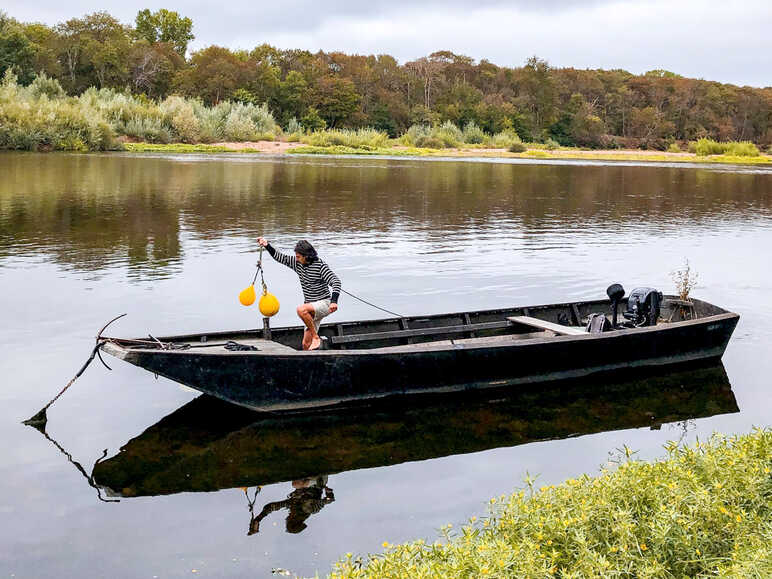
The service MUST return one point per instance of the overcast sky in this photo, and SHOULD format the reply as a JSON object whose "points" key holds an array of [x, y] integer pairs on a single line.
{"points": [[716, 40]]}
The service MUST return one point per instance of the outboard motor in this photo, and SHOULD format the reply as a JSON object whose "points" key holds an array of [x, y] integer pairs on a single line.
{"points": [[615, 293], [643, 306]]}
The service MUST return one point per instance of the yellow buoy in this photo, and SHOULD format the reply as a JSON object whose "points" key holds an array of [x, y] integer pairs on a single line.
{"points": [[269, 305], [247, 296]]}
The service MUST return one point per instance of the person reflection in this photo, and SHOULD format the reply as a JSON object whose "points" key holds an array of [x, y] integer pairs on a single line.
{"points": [[309, 497]]}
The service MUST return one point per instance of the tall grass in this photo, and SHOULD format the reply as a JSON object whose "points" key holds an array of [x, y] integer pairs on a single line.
{"points": [[357, 139], [704, 147], [32, 120], [448, 135], [704, 511], [40, 117]]}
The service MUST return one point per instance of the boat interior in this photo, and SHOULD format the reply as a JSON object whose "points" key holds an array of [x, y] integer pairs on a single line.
{"points": [[439, 331]]}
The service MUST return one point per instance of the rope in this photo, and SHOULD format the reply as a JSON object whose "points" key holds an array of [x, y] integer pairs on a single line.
{"points": [[260, 271], [371, 304]]}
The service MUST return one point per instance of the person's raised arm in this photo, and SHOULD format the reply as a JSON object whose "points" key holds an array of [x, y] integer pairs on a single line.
{"points": [[282, 258]]}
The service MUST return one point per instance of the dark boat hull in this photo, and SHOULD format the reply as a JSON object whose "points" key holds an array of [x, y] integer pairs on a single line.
{"points": [[267, 381], [207, 445]]}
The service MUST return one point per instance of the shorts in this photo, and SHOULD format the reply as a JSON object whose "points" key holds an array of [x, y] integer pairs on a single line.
{"points": [[321, 311]]}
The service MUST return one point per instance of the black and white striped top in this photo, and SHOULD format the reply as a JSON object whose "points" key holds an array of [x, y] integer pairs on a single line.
{"points": [[315, 278]]}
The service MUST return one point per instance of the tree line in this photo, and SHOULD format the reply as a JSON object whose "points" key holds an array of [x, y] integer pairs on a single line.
{"points": [[589, 108]]}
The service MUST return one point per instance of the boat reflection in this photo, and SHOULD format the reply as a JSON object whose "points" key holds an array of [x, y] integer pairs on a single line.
{"points": [[208, 445]]}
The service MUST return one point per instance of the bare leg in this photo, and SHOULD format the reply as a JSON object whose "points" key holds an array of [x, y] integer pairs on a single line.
{"points": [[311, 339]]}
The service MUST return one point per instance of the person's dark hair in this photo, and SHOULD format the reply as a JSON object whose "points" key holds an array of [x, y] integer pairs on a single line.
{"points": [[306, 250]]}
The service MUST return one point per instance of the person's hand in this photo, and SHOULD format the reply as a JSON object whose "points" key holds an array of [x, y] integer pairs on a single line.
{"points": [[262, 241], [333, 308]]}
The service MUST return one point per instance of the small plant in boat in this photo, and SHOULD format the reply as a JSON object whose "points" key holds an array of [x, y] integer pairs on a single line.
{"points": [[685, 280]]}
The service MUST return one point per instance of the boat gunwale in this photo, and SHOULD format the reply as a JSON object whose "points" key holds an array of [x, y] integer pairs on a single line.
{"points": [[706, 320]]}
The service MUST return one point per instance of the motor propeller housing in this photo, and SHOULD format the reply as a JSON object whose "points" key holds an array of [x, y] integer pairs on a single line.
{"points": [[615, 292]]}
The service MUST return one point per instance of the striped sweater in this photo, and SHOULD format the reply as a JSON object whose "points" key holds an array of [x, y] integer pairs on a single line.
{"points": [[315, 278]]}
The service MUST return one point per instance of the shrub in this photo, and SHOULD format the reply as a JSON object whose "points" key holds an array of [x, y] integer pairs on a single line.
{"points": [[430, 142], [705, 147], [473, 134], [438, 137], [742, 149], [449, 134], [312, 121], [673, 148], [414, 134], [709, 147], [30, 120], [43, 85], [551, 144], [517, 147], [503, 140], [180, 115], [294, 130], [151, 130], [704, 511], [359, 138]]}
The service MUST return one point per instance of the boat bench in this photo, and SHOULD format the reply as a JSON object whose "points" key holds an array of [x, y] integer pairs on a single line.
{"points": [[392, 334], [544, 325]]}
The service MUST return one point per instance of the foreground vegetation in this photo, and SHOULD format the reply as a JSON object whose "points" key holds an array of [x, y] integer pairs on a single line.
{"points": [[586, 108], [705, 510]]}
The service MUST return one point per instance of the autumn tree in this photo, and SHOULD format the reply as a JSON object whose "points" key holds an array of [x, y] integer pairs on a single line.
{"points": [[213, 74], [336, 100]]}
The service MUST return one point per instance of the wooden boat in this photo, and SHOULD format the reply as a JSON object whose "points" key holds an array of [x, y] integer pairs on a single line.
{"points": [[208, 445], [364, 360]]}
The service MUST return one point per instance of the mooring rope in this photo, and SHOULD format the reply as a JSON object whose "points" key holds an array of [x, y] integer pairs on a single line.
{"points": [[371, 304]]}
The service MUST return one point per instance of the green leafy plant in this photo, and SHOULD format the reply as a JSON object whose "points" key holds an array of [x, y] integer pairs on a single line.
{"points": [[702, 511]]}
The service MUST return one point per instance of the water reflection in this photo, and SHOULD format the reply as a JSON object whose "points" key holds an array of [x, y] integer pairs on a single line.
{"points": [[209, 445], [92, 212], [309, 496]]}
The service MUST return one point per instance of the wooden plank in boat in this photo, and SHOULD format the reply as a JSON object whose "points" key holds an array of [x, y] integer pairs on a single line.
{"points": [[544, 325], [418, 332]]}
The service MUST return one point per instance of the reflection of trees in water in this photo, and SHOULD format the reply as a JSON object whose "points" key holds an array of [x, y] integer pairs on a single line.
{"points": [[86, 210]]}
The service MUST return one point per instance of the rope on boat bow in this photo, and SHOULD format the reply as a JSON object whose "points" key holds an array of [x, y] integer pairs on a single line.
{"points": [[39, 420]]}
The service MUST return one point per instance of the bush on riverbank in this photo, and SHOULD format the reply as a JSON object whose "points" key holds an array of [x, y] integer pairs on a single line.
{"points": [[448, 135], [706, 510], [354, 138], [705, 147], [41, 117]]}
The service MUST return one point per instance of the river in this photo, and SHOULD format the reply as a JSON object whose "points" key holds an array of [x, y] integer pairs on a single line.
{"points": [[171, 241]]}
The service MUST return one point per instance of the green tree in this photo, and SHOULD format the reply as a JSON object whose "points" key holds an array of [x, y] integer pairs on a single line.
{"points": [[291, 98], [538, 92], [165, 26], [16, 50], [312, 121], [94, 51]]}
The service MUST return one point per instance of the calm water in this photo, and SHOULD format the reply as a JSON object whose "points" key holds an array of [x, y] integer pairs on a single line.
{"points": [[171, 241]]}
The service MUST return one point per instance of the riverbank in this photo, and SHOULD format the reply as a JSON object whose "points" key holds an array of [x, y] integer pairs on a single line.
{"points": [[704, 510], [295, 148]]}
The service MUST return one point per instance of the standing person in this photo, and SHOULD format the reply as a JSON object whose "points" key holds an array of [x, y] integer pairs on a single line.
{"points": [[316, 278]]}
